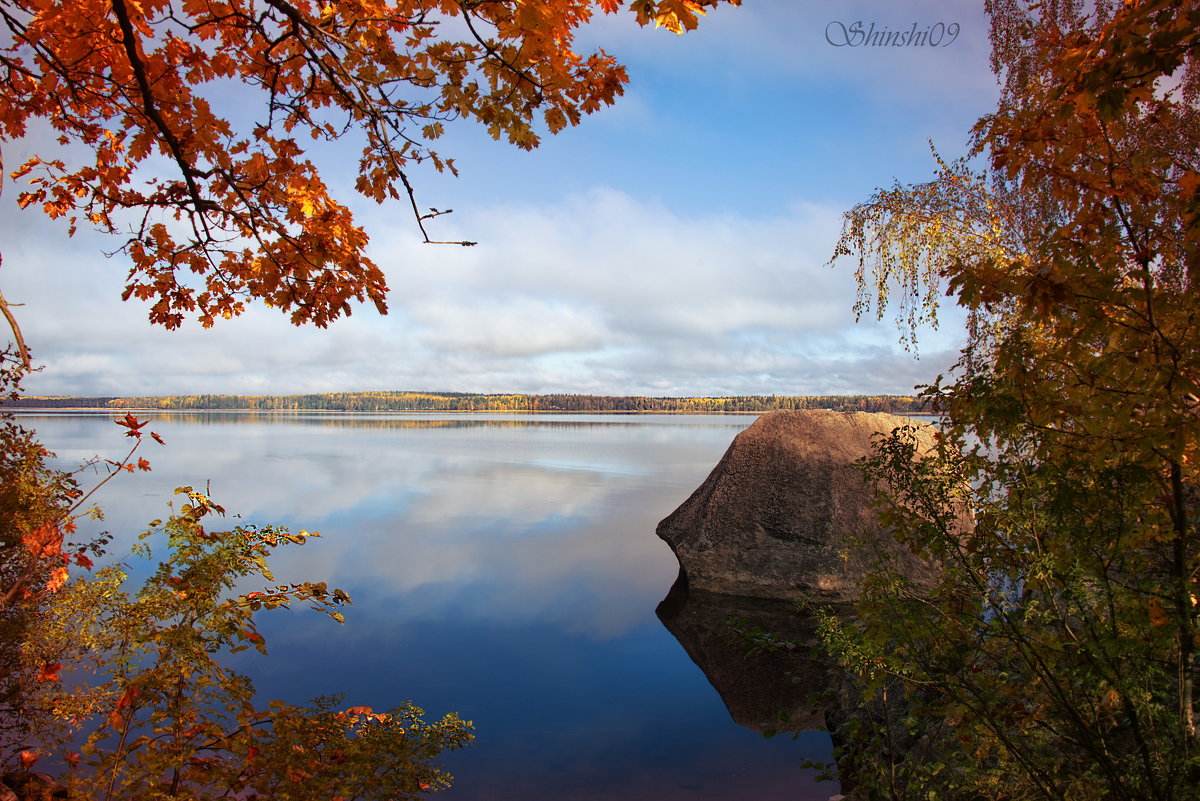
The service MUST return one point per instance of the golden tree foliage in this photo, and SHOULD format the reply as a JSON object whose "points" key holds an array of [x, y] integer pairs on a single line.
{"points": [[1058, 657], [194, 116], [160, 713], [1078, 253]]}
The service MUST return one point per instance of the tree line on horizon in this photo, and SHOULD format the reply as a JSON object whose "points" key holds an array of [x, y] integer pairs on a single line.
{"points": [[470, 402]]}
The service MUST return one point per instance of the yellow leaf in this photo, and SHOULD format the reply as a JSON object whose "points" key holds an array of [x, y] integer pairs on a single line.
{"points": [[670, 21]]}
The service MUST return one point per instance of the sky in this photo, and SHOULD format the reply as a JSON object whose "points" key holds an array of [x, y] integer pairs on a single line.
{"points": [[676, 243]]}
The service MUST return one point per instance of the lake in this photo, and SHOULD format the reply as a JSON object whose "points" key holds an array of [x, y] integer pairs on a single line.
{"points": [[503, 567]]}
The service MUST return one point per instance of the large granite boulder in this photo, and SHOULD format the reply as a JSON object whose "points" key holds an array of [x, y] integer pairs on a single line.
{"points": [[785, 515]]}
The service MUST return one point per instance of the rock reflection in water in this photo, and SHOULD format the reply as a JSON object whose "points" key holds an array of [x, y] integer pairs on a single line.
{"points": [[770, 691]]}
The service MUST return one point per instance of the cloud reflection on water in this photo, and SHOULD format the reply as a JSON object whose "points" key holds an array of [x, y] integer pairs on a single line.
{"points": [[546, 519], [503, 569]]}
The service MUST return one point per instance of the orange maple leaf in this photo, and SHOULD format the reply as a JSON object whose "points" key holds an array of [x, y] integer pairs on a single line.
{"points": [[1189, 182], [45, 540], [58, 578], [49, 672]]}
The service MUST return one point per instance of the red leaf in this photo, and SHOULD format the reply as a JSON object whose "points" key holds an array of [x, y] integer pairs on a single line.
{"points": [[29, 757], [143, 465], [132, 423], [49, 672], [127, 698]]}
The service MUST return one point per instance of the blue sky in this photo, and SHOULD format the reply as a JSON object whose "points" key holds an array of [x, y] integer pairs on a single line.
{"points": [[674, 244]]}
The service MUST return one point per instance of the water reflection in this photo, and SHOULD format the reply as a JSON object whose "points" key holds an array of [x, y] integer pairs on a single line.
{"points": [[404, 420], [505, 569], [776, 690]]}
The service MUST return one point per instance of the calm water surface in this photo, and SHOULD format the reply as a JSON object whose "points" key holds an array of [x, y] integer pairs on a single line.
{"points": [[503, 567]]}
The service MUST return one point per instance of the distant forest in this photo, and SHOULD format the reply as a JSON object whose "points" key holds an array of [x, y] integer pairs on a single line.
{"points": [[467, 402]]}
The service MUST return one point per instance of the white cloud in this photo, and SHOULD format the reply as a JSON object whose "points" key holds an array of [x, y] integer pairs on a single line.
{"points": [[598, 292], [520, 326], [669, 262]]}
